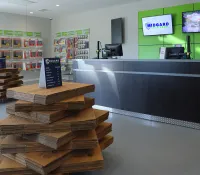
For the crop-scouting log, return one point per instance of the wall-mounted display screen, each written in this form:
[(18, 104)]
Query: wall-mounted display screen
[(157, 25), (191, 22)]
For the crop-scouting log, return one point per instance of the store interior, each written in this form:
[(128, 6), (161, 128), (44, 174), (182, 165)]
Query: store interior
[(78, 32)]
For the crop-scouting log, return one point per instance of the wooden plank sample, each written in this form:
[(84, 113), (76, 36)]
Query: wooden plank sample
[(101, 116), (75, 161), (81, 161), (11, 84), (32, 93), (11, 167), (16, 144), (12, 70), (3, 94), (84, 120), (106, 142), (5, 75), (48, 116), (56, 140), (72, 103), (84, 140), (42, 163), (52, 140), (3, 98), (6, 80), (103, 129)]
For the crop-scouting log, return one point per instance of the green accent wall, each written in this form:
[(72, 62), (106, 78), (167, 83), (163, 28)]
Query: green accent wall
[(149, 46)]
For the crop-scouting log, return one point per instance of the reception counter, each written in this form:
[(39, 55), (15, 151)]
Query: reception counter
[(161, 90)]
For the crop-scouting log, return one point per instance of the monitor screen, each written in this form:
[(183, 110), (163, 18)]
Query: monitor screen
[(191, 22), (157, 25)]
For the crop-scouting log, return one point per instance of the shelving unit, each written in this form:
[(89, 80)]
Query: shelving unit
[(22, 50), (71, 45)]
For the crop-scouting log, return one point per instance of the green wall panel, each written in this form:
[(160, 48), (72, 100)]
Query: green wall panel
[(149, 52), (149, 40), (197, 6), (178, 37), (148, 13), (196, 50), (197, 38), (149, 45), (177, 12)]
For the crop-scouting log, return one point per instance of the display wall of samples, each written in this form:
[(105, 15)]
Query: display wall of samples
[(23, 50), (72, 45)]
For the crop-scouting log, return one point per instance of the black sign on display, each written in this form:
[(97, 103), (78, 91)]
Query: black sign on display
[(2, 63), (50, 74)]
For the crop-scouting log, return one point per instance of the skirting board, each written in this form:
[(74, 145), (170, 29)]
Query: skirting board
[(186, 124)]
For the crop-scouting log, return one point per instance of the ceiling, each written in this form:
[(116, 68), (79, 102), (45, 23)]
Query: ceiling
[(24, 7)]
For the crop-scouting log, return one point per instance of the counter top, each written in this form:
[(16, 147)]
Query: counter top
[(145, 60), (189, 67), (166, 88)]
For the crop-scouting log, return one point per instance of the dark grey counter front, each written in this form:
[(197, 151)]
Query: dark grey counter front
[(166, 88)]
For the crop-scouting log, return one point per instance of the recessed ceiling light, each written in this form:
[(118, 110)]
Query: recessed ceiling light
[(31, 12), (57, 5)]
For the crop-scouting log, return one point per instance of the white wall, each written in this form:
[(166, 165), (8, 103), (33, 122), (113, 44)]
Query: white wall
[(99, 22), (33, 24)]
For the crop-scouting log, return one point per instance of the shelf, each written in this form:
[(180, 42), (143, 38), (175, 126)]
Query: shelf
[(20, 48), (32, 60)]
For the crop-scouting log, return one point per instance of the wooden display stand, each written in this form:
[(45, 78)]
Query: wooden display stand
[(9, 78), (60, 134)]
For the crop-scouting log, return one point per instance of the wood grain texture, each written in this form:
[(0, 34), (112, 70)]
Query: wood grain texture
[(10, 167), (84, 120), (102, 116), (46, 162), (78, 140), (56, 140), (81, 161), (13, 78), (5, 75), (74, 161), (3, 94), (103, 129), (16, 144), (74, 103), (32, 93), (11, 84), (50, 116), (12, 70), (52, 140), (106, 142)]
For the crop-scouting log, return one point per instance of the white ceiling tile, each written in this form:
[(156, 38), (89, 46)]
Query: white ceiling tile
[(66, 6)]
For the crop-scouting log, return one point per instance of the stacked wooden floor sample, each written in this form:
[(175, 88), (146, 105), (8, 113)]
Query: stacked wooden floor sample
[(53, 131), (9, 78)]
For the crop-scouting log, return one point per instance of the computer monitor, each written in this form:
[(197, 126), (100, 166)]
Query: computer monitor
[(113, 50), (175, 52)]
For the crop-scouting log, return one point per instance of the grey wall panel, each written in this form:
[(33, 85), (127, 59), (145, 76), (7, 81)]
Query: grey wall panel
[(110, 89), (91, 78), (174, 97), (133, 93), (161, 67)]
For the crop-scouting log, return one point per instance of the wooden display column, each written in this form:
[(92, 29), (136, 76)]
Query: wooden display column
[(58, 131)]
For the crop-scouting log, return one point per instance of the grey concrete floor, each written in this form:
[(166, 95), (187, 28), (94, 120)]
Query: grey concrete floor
[(148, 148)]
